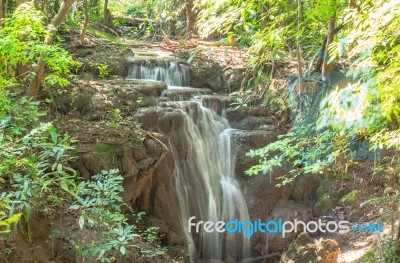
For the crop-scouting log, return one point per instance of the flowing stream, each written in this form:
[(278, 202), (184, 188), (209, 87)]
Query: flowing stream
[(172, 73), (204, 174)]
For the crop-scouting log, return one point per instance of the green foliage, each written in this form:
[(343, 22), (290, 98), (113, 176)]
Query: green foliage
[(240, 102), (372, 41), (154, 14), (349, 196), (389, 139), (99, 202), (268, 28), (21, 44), (8, 221), (99, 199), (34, 168), (387, 251), (316, 154), (116, 117), (102, 68), (193, 55), (354, 108), (142, 9)]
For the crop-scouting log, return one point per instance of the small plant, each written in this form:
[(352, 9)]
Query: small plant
[(193, 55), (117, 117), (55, 233), (240, 102), (102, 68)]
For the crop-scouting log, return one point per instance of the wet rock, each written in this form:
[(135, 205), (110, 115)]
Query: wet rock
[(170, 121), (149, 88), (132, 95), (148, 117), (258, 117), (152, 147), (253, 123), (216, 102), (233, 79), (264, 199), (148, 101)]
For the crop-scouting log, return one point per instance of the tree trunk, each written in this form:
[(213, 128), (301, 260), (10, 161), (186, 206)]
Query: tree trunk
[(326, 66), (107, 15), (321, 64), (172, 28), (1, 11), (263, 21), (299, 16), (5, 10), (33, 88), (85, 23), (190, 19)]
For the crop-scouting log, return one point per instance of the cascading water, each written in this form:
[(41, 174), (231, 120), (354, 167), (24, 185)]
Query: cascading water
[(204, 175), (172, 73), (206, 185)]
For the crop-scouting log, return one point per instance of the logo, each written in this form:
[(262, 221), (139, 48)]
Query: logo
[(280, 227)]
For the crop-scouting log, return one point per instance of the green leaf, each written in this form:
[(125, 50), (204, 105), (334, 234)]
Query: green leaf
[(81, 221)]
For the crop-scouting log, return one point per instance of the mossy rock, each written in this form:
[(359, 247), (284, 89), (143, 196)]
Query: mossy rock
[(321, 191), (106, 148), (325, 204)]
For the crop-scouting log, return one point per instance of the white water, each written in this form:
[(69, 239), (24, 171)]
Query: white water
[(172, 73), (206, 186)]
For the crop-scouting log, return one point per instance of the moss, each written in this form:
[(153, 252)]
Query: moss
[(105, 148), (321, 191), (349, 197), (355, 214)]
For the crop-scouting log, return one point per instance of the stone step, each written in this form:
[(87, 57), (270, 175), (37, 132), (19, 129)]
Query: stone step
[(149, 87), (153, 59), (150, 91), (137, 52), (174, 93)]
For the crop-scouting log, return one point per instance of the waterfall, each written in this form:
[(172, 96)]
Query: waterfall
[(204, 166), (173, 73), (206, 185)]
